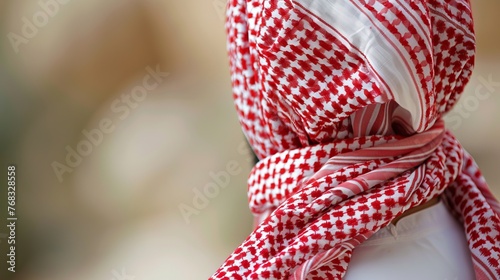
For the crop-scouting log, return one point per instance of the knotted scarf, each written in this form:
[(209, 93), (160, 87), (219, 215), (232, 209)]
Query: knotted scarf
[(343, 101)]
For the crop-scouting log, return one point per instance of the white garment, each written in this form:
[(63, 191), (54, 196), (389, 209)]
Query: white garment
[(429, 244)]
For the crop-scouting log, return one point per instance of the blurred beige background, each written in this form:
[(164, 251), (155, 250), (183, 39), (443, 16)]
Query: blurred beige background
[(134, 206)]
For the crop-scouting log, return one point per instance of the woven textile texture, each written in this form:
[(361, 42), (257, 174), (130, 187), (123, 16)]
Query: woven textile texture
[(343, 102)]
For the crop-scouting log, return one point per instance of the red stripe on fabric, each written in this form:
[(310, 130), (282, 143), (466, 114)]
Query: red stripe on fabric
[(483, 272), (405, 61), (388, 89)]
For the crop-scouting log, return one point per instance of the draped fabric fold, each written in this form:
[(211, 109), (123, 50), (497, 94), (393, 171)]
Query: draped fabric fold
[(343, 101)]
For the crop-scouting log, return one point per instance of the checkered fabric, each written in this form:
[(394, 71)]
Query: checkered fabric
[(342, 102)]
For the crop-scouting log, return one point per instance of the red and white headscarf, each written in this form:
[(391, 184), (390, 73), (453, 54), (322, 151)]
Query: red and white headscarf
[(342, 102)]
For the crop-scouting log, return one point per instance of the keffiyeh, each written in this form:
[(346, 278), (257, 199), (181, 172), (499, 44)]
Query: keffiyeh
[(343, 101)]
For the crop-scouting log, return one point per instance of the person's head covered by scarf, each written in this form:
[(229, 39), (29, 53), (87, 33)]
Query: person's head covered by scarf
[(342, 101)]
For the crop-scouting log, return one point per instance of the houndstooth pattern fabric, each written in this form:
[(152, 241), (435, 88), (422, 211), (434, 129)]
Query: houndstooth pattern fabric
[(342, 102)]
